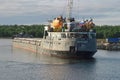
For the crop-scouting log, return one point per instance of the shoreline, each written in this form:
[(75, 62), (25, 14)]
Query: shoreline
[(6, 38), (103, 45)]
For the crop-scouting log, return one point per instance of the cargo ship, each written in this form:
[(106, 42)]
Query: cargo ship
[(64, 38)]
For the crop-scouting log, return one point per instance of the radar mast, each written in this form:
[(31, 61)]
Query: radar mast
[(69, 9)]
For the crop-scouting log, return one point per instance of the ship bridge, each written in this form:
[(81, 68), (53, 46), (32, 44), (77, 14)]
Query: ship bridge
[(82, 35)]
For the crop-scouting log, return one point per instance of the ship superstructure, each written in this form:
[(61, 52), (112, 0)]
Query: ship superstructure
[(69, 38)]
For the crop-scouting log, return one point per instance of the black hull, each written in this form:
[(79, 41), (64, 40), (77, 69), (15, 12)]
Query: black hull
[(68, 54)]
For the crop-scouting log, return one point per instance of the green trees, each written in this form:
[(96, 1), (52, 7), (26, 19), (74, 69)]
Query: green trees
[(10, 30), (37, 30), (107, 31)]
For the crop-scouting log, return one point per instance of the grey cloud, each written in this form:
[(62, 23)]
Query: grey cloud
[(17, 10)]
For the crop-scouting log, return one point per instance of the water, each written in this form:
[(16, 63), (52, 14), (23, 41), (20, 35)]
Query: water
[(18, 64)]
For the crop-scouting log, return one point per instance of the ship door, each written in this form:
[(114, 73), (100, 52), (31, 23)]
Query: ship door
[(72, 49)]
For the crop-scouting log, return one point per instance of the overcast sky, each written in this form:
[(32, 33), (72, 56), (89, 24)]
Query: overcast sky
[(104, 12)]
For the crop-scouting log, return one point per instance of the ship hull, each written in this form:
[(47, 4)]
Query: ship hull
[(68, 54), (60, 47)]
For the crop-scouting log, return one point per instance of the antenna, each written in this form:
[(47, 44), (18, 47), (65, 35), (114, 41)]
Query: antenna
[(69, 9)]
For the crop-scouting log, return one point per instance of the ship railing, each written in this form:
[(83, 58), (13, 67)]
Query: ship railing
[(33, 41)]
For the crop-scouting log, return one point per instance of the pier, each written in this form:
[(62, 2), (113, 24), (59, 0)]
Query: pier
[(105, 45)]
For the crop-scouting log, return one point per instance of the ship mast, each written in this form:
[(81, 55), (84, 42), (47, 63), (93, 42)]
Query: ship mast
[(69, 9)]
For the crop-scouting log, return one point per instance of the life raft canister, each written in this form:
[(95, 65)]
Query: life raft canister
[(57, 23)]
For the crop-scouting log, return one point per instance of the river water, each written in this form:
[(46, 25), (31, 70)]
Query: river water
[(18, 64)]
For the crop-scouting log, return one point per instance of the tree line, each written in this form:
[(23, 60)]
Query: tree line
[(10, 30), (104, 31)]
